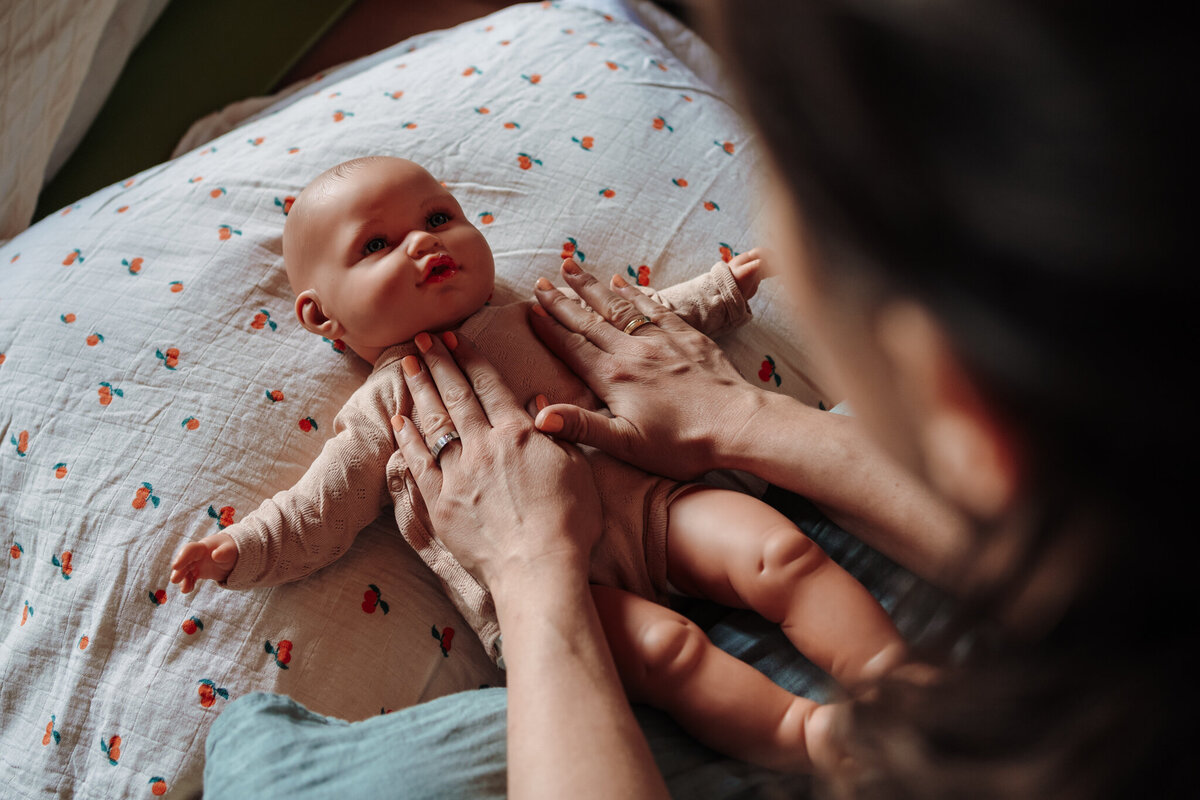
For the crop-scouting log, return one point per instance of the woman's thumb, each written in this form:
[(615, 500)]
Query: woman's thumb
[(575, 424)]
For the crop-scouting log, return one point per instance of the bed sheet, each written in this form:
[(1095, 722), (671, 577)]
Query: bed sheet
[(154, 384)]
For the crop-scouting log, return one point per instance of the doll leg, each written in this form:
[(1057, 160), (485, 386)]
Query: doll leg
[(667, 662), (738, 551)]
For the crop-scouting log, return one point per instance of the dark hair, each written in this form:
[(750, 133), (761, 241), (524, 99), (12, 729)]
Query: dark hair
[(1017, 167)]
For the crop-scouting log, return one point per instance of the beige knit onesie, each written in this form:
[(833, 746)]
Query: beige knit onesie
[(360, 470)]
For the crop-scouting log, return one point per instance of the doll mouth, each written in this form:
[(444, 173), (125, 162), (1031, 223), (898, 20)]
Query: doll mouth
[(438, 269)]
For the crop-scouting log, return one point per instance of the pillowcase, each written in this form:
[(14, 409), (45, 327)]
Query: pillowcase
[(154, 384)]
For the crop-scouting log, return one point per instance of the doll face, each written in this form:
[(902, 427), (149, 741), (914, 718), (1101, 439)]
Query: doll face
[(385, 252)]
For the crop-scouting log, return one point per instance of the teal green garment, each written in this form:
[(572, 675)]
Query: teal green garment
[(268, 746)]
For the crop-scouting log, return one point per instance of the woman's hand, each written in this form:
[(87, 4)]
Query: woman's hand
[(678, 403), (520, 512), (503, 497)]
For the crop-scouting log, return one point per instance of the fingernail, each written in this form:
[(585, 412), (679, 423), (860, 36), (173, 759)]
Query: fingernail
[(619, 282), (544, 284), (551, 423), (571, 268), (541, 401), (398, 423), (450, 339), (423, 342), (412, 367), (537, 309)]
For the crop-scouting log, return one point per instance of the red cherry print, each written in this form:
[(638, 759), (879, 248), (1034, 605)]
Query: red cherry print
[(372, 599)]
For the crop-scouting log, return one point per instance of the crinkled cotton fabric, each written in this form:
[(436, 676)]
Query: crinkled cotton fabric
[(155, 385)]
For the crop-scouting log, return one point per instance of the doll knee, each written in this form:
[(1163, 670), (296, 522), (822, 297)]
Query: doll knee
[(671, 648), (787, 557)]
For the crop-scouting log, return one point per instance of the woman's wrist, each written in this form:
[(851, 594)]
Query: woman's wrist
[(570, 728), (519, 576), (829, 459), (747, 428)]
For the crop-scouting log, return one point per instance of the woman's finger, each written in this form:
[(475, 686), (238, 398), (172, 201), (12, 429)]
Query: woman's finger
[(493, 394), (576, 318), (573, 349), (417, 459), (427, 402), (660, 315), (535, 404), (571, 423), (452, 387), (615, 308)]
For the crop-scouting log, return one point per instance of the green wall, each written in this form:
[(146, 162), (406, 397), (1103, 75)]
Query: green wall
[(200, 56)]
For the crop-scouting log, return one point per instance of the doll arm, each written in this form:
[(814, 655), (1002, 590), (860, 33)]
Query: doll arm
[(713, 303), (304, 528), (716, 302), (308, 526)]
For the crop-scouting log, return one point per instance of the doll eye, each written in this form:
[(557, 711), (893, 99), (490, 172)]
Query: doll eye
[(438, 218), (375, 245)]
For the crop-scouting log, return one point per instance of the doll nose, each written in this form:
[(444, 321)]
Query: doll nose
[(421, 243)]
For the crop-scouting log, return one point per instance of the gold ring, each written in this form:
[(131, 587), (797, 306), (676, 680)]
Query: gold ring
[(637, 322)]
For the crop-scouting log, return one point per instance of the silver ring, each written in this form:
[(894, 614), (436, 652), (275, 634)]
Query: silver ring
[(441, 443), (636, 323)]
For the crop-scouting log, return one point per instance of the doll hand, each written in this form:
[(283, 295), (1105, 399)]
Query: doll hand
[(749, 268), (213, 557)]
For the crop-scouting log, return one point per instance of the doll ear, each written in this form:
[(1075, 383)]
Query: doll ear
[(308, 311)]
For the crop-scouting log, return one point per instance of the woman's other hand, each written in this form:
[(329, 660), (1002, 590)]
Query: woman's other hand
[(520, 512), (503, 496), (678, 403)]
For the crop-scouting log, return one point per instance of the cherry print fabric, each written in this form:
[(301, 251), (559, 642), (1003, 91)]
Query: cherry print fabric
[(155, 387)]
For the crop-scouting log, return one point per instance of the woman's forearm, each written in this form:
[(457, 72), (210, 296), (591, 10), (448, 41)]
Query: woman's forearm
[(571, 732), (829, 459)]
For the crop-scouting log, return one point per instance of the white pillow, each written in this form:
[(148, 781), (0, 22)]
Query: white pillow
[(144, 329), (58, 61)]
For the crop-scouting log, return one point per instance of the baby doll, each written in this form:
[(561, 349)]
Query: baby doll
[(379, 253)]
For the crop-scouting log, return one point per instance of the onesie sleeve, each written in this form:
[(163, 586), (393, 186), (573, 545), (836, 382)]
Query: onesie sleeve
[(308, 526), (711, 303)]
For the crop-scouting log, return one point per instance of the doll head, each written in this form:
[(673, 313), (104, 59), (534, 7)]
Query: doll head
[(377, 251)]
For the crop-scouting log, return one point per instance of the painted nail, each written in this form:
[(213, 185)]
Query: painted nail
[(398, 423), (412, 367), (619, 282), (537, 309), (544, 284), (541, 401), (450, 340), (423, 342), (552, 423), (571, 268)]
